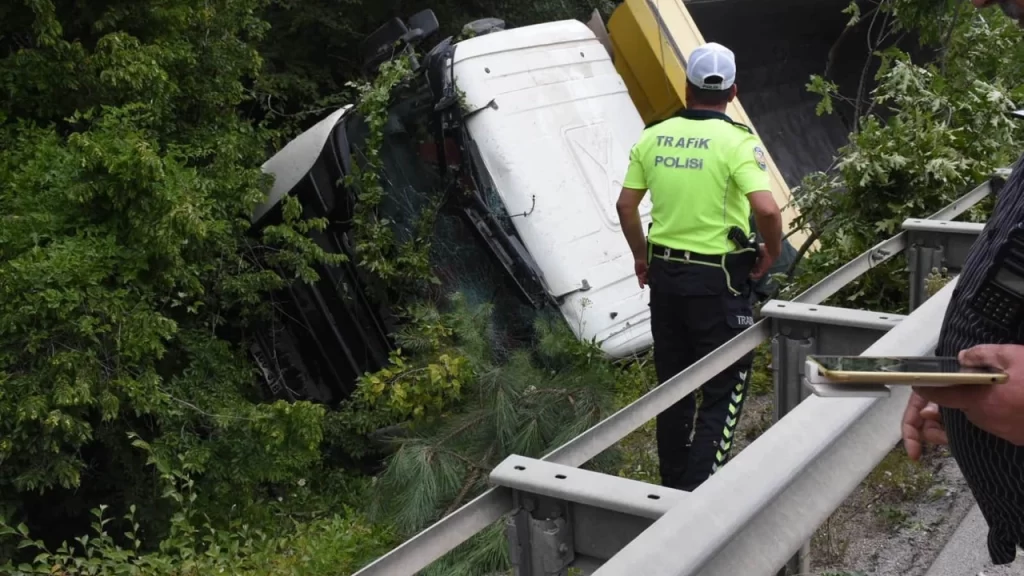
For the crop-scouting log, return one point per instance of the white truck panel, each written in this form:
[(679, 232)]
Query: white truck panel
[(293, 162), (554, 129)]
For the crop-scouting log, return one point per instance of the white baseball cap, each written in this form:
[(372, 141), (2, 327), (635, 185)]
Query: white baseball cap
[(712, 67)]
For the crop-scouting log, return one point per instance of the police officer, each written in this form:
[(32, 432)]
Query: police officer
[(705, 173)]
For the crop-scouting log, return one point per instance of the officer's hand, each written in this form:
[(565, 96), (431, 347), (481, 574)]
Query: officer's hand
[(997, 408), (640, 267), (764, 263), (922, 424)]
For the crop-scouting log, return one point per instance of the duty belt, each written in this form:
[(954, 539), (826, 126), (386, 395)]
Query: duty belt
[(676, 255), (688, 257)]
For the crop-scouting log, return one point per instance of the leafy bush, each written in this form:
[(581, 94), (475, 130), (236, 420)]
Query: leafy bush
[(127, 177), (339, 542), (927, 134)]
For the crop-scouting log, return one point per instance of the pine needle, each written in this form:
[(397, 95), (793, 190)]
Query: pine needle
[(524, 400)]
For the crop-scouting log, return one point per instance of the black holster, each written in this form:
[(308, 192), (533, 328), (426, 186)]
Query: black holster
[(739, 267)]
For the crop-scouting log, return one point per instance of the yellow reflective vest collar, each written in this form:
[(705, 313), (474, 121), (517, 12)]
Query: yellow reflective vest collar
[(703, 115)]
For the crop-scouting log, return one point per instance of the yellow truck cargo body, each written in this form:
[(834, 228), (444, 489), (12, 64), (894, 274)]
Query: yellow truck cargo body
[(651, 40)]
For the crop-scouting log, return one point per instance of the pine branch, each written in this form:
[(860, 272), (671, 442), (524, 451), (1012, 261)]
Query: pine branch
[(475, 466), (469, 423), (470, 481)]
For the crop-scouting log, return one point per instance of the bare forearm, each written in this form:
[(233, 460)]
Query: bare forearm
[(770, 227), (633, 230)]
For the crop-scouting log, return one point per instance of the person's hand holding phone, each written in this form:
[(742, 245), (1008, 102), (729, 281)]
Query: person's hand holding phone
[(996, 409), (922, 424)]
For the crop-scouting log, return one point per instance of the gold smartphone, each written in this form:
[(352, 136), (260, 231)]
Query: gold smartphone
[(910, 371)]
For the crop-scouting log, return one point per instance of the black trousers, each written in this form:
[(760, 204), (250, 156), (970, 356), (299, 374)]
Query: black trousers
[(692, 313)]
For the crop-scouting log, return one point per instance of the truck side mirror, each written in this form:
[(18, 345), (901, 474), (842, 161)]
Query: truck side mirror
[(380, 44), (425, 21), (397, 36)]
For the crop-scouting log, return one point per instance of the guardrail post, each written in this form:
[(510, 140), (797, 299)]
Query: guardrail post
[(539, 536), (563, 516), (936, 245), (921, 260), (790, 347), (804, 329)]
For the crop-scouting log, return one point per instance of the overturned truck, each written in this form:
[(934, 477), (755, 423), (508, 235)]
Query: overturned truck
[(524, 134)]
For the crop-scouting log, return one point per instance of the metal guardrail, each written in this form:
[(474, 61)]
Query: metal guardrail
[(805, 465), (437, 540)]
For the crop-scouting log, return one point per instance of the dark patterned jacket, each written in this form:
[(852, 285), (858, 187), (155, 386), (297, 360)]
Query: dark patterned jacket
[(993, 467)]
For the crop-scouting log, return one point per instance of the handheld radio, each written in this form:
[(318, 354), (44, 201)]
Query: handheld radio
[(1000, 299)]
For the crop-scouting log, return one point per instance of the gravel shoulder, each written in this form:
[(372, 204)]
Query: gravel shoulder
[(895, 523)]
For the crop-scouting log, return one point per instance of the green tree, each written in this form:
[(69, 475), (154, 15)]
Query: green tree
[(127, 176), (311, 543), (927, 133)]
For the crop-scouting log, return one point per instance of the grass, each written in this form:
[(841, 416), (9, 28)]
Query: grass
[(892, 517), (639, 459), (899, 479), (886, 495), (756, 422), (827, 545), (762, 380)]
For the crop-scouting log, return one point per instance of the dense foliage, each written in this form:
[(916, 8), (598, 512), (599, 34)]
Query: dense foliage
[(131, 135), (127, 176), (928, 133)]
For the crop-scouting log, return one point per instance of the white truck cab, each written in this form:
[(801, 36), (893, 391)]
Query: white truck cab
[(553, 124)]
